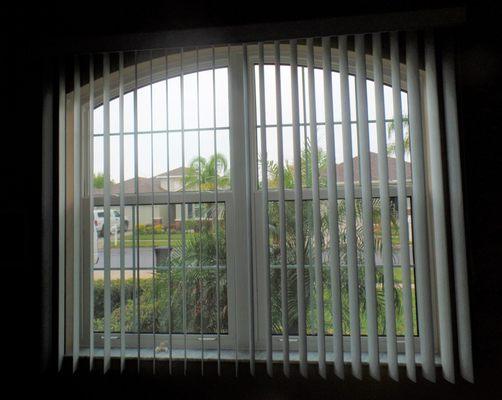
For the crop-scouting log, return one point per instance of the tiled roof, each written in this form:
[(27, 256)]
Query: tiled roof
[(174, 172), (145, 184), (392, 168)]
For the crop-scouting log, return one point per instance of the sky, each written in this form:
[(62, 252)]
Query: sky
[(151, 106)]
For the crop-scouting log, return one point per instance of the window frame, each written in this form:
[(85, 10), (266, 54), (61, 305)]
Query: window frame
[(273, 194), (146, 199), (237, 286)]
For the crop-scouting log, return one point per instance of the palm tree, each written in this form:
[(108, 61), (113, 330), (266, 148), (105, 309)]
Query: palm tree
[(391, 132), (208, 173), (307, 245), (202, 283), (306, 170)]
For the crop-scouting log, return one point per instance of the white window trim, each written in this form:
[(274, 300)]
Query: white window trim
[(237, 286), (269, 58)]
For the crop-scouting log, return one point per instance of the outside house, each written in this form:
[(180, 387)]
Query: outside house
[(375, 176), (161, 185)]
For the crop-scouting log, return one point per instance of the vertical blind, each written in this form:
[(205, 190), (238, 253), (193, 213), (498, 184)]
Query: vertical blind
[(286, 203)]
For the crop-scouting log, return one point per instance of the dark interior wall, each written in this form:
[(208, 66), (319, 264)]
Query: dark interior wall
[(480, 107)]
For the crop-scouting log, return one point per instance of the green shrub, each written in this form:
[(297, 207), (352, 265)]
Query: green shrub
[(146, 229)]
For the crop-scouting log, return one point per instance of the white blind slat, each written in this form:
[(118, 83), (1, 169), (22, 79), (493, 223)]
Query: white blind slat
[(367, 206), (201, 304), (334, 248), (122, 214), (282, 212), (300, 266), (135, 217), (383, 178), (107, 229), (154, 272), (265, 220), (457, 216), (183, 221), (350, 217), (77, 195), (234, 103), (249, 184), (61, 213), (218, 313), (404, 250), (92, 229), (169, 216), (438, 210), (419, 210), (316, 209)]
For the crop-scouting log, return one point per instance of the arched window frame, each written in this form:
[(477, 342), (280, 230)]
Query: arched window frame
[(225, 57)]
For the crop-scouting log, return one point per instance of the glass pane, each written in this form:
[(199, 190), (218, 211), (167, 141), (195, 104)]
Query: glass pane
[(206, 102), (190, 100), (311, 290), (144, 109), (221, 97), (151, 103), (168, 268), (306, 146), (192, 161), (159, 106)]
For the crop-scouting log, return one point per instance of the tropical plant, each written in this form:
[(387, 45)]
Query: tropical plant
[(189, 278), (289, 169), (99, 181), (290, 239), (391, 134), (189, 281), (208, 173)]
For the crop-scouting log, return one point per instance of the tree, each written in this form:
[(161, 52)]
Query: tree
[(208, 173), (306, 170), (310, 290), (176, 277), (199, 284), (99, 181), (391, 133)]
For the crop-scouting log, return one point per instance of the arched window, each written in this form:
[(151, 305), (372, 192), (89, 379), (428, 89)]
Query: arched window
[(261, 202)]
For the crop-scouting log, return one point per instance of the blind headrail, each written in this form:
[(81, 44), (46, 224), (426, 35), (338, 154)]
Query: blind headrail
[(259, 32)]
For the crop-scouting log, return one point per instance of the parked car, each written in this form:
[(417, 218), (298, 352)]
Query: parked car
[(99, 219)]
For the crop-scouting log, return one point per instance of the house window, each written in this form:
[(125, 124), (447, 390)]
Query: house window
[(174, 257), (289, 166), (264, 202)]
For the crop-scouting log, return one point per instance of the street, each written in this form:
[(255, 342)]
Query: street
[(145, 258)]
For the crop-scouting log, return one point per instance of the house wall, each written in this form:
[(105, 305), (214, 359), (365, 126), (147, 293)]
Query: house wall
[(160, 214)]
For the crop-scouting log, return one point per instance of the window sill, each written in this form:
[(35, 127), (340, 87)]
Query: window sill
[(229, 355)]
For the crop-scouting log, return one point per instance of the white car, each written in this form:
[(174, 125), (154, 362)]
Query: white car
[(99, 219)]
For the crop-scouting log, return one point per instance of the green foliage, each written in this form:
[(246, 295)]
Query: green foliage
[(391, 133), (308, 246), (310, 285), (147, 229), (186, 281), (273, 170), (193, 278), (208, 173), (155, 294), (99, 181)]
